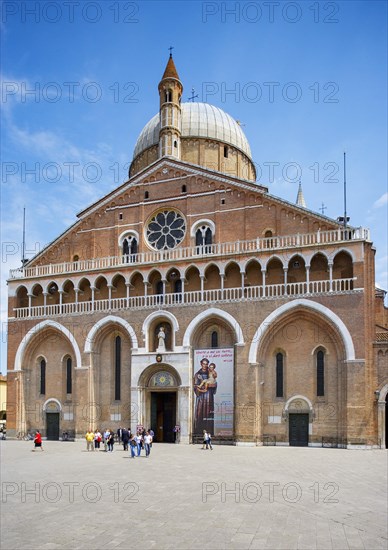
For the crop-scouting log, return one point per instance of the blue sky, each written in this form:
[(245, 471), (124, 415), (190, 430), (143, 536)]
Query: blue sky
[(306, 79)]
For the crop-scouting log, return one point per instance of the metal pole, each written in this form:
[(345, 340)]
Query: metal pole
[(345, 215), (24, 234)]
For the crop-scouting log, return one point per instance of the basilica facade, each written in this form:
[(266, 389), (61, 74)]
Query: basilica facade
[(190, 298)]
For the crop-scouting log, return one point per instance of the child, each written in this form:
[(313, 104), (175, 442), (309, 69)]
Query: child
[(211, 380)]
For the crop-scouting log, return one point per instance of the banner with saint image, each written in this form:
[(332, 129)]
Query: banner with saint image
[(213, 387)]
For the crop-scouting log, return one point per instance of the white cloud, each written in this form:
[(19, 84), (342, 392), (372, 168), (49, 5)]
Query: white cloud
[(382, 201)]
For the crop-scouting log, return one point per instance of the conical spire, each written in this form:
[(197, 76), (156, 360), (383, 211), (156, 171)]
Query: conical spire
[(300, 198), (170, 70)]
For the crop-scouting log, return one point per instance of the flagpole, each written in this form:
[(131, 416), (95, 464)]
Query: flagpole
[(345, 215), (24, 234)]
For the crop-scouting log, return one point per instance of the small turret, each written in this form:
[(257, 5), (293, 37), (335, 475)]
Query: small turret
[(300, 198), (170, 94)]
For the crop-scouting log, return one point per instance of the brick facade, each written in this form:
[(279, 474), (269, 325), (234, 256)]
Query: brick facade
[(271, 279)]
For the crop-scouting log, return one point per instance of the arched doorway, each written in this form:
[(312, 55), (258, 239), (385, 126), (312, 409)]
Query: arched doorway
[(382, 416), (161, 402), (298, 410), (386, 421), (52, 408)]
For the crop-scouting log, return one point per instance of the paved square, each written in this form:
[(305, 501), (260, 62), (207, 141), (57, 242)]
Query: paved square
[(184, 497)]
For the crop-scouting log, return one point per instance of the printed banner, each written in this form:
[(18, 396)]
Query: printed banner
[(213, 388)]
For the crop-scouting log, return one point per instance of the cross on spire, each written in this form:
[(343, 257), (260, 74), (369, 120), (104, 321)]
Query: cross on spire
[(193, 95), (323, 208), (171, 48)]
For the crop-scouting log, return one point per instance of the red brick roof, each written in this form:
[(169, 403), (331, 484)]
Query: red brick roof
[(170, 70)]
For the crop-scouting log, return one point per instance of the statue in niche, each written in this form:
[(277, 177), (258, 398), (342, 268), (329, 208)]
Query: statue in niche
[(161, 340)]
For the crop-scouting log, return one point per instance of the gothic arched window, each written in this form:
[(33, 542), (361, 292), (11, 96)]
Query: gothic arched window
[(117, 368), (214, 339), (69, 382), (279, 374), (43, 377), (320, 373), (129, 248), (204, 239)]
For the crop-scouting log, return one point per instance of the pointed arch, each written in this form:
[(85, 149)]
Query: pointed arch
[(40, 327), (213, 312), (329, 315), (106, 321)]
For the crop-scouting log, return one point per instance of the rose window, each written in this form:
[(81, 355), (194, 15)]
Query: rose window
[(166, 230)]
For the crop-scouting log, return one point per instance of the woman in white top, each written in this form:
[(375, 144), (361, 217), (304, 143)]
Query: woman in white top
[(147, 443)]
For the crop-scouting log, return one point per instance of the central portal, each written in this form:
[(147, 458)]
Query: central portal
[(163, 416)]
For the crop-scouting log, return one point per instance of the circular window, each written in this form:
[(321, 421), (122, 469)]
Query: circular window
[(166, 230)]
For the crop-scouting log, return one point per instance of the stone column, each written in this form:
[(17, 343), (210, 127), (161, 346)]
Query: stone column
[(183, 413), (308, 278), (30, 296), (61, 293), (263, 272), (76, 292), (183, 290), (381, 412), (331, 277), (110, 297), (128, 285), (242, 283), (202, 285), (45, 294), (285, 269), (164, 291), (93, 289)]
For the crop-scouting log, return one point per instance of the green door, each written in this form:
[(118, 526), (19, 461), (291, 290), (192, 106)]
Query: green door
[(52, 426), (299, 430)]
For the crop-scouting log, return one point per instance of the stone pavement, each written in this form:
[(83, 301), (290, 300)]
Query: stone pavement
[(185, 498)]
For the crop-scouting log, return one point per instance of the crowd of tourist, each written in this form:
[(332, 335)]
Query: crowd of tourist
[(136, 442)]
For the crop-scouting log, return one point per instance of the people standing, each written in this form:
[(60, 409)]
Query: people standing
[(106, 437), (125, 438), (97, 440), (89, 440), (120, 434), (38, 441), (111, 441)]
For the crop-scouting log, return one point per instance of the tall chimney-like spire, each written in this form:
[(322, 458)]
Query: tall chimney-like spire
[(170, 96), (300, 198)]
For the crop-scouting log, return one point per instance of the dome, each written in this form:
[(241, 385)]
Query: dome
[(198, 120)]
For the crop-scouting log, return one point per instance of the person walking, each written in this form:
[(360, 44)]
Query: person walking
[(38, 441), (205, 444), (209, 440), (133, 446), (139, 440), (89, 440), (147, 443), (125, 438)]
